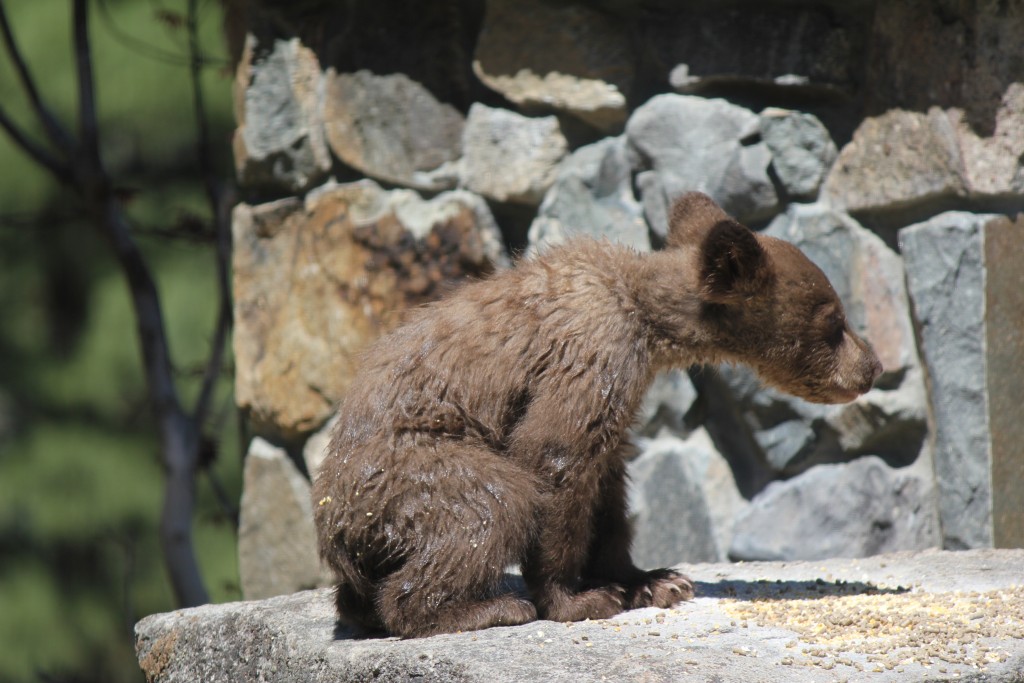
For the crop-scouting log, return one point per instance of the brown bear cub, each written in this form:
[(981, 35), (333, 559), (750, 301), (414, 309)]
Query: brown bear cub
[(490, 429)]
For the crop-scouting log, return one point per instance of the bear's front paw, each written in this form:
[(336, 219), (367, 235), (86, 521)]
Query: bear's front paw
[(596, 603), (660, 588)]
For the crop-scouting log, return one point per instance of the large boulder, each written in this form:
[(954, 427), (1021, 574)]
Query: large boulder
[(680, 143), (592, 195), (508, 157), (963, 273), (898, 160), (683, 502), (854, 509), (392, 128), (905, 162), (315, 281), (806, 622)]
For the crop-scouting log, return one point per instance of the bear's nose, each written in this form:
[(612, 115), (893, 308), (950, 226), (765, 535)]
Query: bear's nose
[(875, 370)]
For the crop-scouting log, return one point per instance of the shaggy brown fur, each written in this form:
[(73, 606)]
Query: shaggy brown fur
[(489, 429)]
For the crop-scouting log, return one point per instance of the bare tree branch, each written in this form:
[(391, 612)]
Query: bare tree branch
[(38, 154), (83, 170), (58, 136), (88, 128), (179, 433)]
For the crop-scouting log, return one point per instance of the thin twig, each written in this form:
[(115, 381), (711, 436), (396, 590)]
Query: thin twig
[(38, 154), (58, 136), (88, 128)]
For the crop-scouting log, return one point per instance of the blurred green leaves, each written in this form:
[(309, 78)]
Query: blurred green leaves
[(80, 477)]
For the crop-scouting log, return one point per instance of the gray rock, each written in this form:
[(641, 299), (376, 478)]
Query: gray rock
[(683, 502), (276, 543), (666, 404), (509, 157), (568, 57), (392, 128), (295, 638), (897, 160), (945, 276), (315, 449), (592, 195), (691, 143), (851, 509), (802, 150), (279, 142)]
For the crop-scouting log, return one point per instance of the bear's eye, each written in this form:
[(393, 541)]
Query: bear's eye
[(836, 328)]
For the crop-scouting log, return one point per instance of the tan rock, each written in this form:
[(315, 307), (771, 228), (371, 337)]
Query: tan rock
[(897, 159), (992, 163), (315, 282)]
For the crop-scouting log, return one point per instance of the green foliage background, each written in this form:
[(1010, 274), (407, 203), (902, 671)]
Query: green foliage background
[(80, 478)]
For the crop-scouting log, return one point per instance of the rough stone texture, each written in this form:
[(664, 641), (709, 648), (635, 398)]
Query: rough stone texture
[(946, 280), (295, 637), (666, 404), (314, 282), (1004, 358), (854, 509), (994, 164), (392, 128), (592, 195), (691, 143), (279, 142), (509, 157), (683, 501), (585, 67), (802, 150), (896, 160), (276, 542)]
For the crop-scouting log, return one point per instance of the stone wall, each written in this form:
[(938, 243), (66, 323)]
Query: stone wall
[(386, 153)]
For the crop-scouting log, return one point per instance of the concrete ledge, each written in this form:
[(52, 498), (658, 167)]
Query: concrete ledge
[(928, 616)]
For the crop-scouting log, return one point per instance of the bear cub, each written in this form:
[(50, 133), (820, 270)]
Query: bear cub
[(490, 429)]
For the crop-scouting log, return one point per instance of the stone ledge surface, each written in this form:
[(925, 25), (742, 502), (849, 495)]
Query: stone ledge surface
[(926, 616)]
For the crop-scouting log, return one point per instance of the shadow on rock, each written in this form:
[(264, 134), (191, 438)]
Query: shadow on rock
[(765, 589)]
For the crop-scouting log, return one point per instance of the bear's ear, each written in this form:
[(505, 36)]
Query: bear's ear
[(690, 219), (733, 264)]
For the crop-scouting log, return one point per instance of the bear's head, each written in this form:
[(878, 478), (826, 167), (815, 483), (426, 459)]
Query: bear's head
[(764, 303)]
